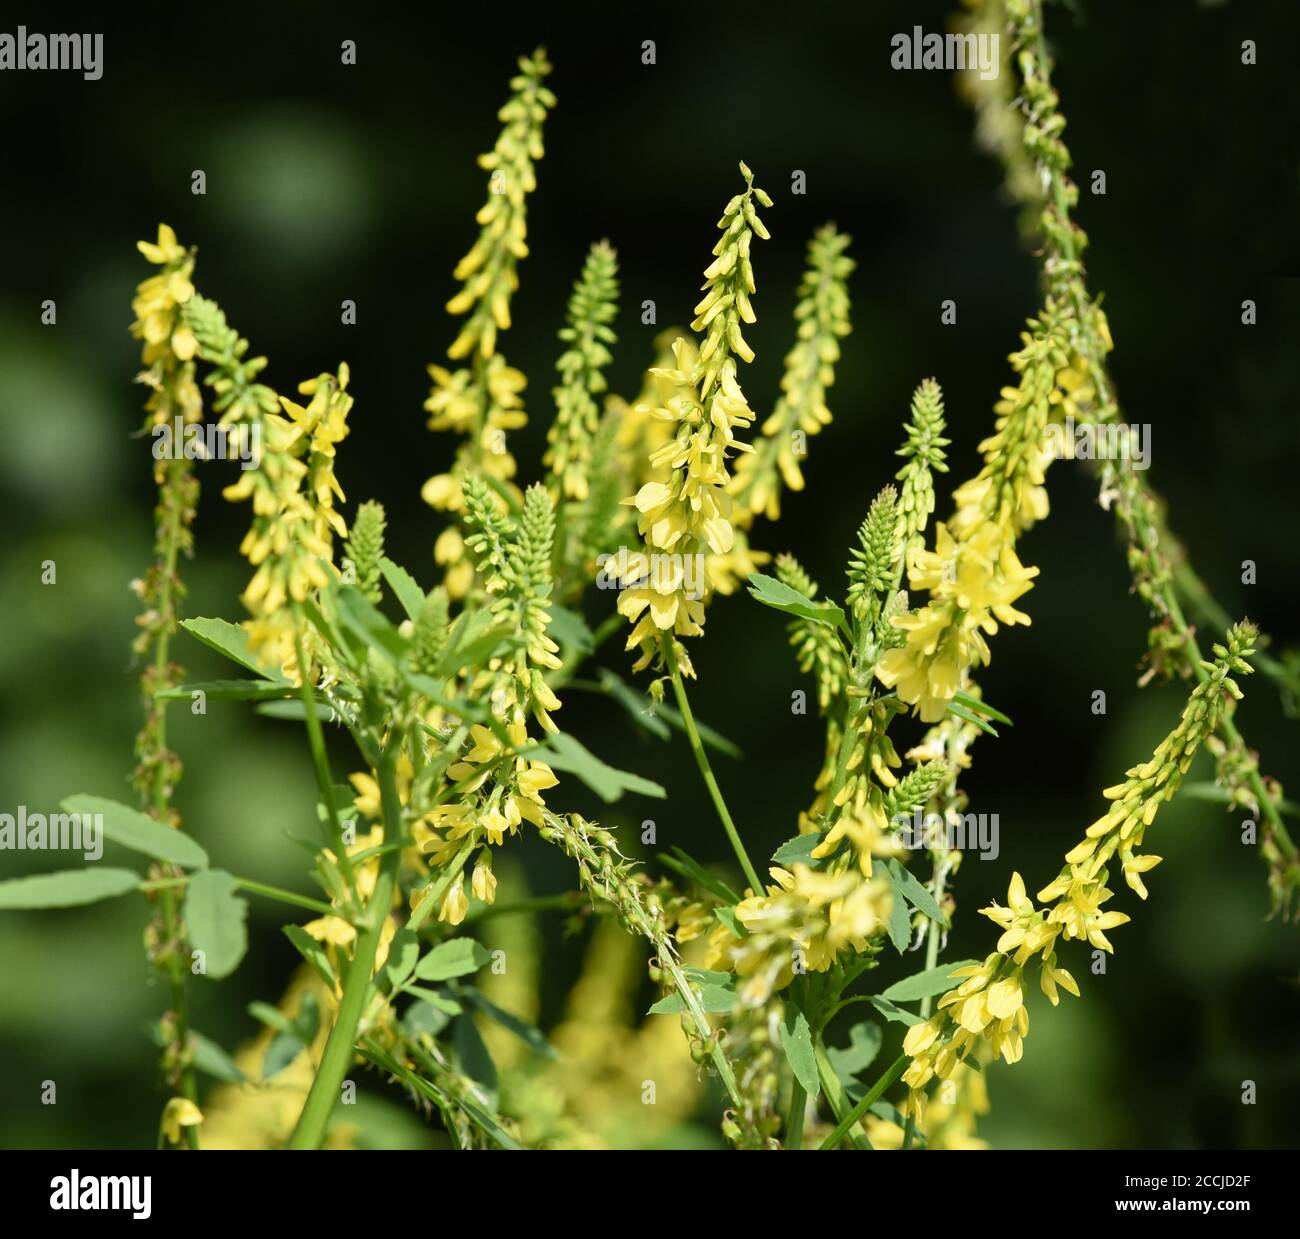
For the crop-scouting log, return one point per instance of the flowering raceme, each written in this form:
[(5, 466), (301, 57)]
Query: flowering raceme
[(973, 575), (689, 513), (990, 1001)]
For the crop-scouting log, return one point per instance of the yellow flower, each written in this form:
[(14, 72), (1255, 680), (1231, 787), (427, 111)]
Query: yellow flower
[(179, 1111)]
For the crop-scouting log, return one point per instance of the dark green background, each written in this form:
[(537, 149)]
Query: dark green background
[(326, 183)]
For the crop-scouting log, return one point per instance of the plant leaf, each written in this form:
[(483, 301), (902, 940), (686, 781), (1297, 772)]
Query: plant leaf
[(894, 1013), (132, 829), (570, 629), (565, 752), (797, 851), (312, 952), (906, 884), (456, 958), (404, 586), (229, 640), (691, 869), (231, 690), (214, 921), (773, 593), (796, 1038), (980, 706), (533, 1037), (714, 999), (864, 1045), (926, 984), (963, 713), (69, 889)]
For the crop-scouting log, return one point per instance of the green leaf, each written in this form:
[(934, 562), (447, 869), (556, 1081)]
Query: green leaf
[(906, 884), (773, 593), (367, 623), (132, 829), (926, 984), (728, 917), (570, 629), (293, 1036), (894, 1013), (404, 586), (564, 752), (231, 690), (69, 889), (473, 1056), (230, 640), (312, 952), (638, 706), (714, 1000), (963, 713), (797, 851), (900, 922), (472, 642), (796, 1038), (864, 1045), (456, 958), (403, 951), (424, 1017), (214, 921), (691, 869), (209, 1057), (534, 1038), (979, 706), (433, 998)]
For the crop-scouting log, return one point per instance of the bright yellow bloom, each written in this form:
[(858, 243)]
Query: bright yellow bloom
[(179, 1112)]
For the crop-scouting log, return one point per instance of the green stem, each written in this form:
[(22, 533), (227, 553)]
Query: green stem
[(931, 960), (834, 1091), (1150, 537), (340, 1046), (794, 1117), (320, 760), (253, 888), (173, 927), (706, 771), (892, 1072)]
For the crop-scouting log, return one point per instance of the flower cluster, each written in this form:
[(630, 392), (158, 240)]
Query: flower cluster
[(592, 307), (689, 512), (293, 489), (974, 575), (482, 400), (990, 1001)]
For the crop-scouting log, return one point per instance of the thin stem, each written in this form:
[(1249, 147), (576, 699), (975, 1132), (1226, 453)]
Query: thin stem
[(834, 1091), (794, 1116), (173, 926), (1150, 537), (340, 1046), (320, 760), (253, 888), (892, 1072), (931, 960), (706, 771)]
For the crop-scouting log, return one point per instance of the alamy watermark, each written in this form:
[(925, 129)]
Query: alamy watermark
[(664, 573), (127, 1193), (62, 832), (947, 51), (207, 441), (962, 832), (81, 53), (1099, 441)]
